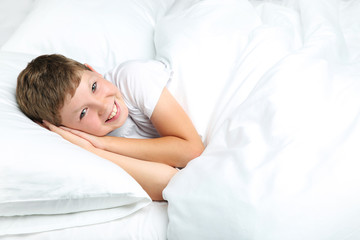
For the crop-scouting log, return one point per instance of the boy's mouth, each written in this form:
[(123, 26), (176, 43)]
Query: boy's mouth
[(114, 113)]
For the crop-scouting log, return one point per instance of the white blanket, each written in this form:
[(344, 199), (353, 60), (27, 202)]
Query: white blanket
[(282, 160)]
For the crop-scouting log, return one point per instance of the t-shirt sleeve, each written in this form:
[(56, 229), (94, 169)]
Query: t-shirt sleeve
[(141, 83)]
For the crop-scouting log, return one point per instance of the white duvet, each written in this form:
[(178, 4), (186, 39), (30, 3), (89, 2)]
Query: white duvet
[(272, 87), (282, 160)]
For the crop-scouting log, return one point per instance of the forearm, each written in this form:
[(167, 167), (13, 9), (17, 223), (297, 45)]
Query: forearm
[(179, 142), (153, 177), (169, 150)]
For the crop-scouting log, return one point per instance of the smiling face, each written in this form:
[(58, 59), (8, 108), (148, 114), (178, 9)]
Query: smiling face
[(97, 106)]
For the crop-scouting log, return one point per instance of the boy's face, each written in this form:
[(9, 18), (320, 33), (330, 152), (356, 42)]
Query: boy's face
[(97, 106)]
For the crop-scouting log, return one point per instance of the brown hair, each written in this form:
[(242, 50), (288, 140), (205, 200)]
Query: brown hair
[(45, 83)]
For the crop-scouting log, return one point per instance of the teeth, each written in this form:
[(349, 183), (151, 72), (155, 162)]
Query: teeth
[(113, 113)]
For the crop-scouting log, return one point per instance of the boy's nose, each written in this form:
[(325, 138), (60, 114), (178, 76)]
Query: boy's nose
[(101, 111), (101, 105)]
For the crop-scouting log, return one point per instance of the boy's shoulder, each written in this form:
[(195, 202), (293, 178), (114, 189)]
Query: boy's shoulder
[(138, 71), (141, 83), (136, 66)]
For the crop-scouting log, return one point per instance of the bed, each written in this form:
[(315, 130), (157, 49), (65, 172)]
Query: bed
[(271, 86)]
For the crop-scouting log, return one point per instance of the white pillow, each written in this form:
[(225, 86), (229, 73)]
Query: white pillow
[(40, 173), (44, 176), (101, 33)]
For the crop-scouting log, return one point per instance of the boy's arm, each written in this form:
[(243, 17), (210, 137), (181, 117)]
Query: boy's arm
[(153, 177), (179, 142)]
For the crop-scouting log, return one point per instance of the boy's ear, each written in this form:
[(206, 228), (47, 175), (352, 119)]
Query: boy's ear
[(92, 69)]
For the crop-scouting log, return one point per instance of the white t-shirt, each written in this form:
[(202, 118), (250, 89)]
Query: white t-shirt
[(141, 83)]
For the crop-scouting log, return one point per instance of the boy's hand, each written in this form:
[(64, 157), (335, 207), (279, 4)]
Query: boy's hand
[(68, 135), (94, 140)]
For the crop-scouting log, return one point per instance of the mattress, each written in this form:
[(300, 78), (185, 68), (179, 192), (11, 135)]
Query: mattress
[(149, 222)]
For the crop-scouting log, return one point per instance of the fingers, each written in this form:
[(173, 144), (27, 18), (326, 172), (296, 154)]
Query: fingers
[(74, 131), (46, 124), (69, 129), (55, 129), (41, 125), (52, 127), (94, 140), (66, 129), (67, 134)]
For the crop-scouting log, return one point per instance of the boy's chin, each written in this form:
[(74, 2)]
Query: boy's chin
[(102, 134), (98, 133), (103, 131)]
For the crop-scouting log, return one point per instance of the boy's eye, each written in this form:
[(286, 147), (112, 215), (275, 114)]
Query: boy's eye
[(94, 86), (83, 112)]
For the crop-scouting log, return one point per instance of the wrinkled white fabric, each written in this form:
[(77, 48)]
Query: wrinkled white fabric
[(282, 155)]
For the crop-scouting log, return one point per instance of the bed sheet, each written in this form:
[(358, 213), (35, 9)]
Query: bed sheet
[(147, 223)]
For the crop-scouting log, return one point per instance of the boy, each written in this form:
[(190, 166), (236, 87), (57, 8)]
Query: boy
[(74, 101)]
